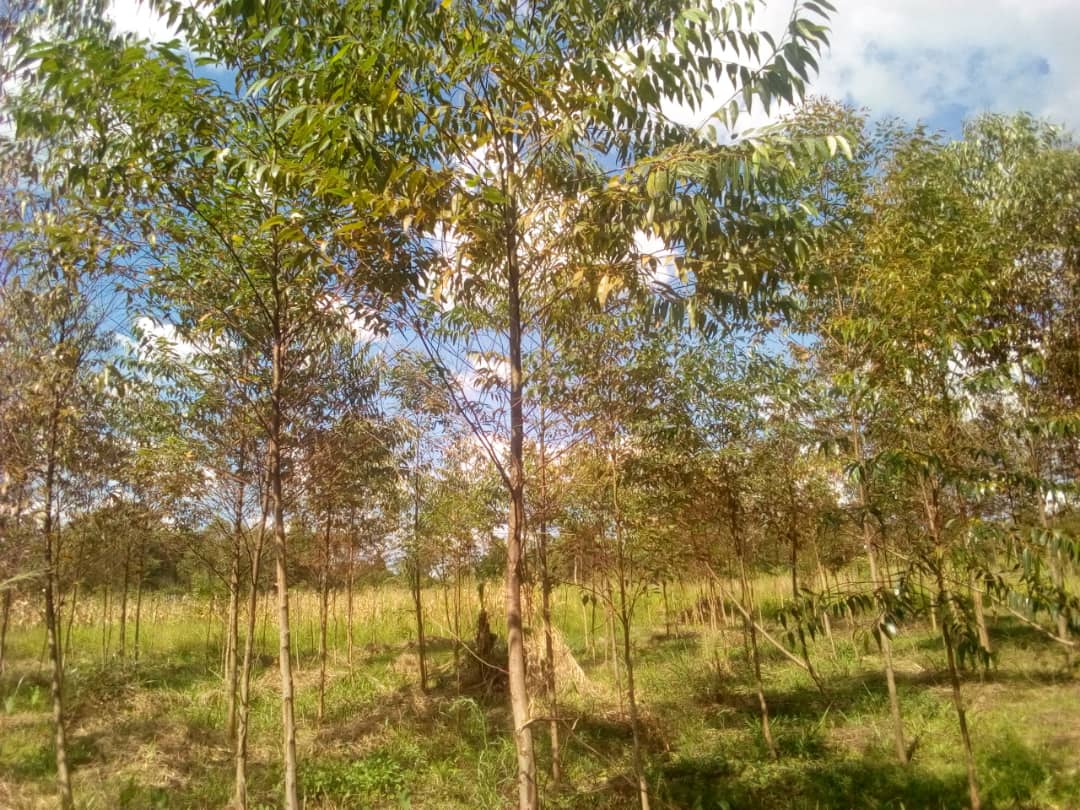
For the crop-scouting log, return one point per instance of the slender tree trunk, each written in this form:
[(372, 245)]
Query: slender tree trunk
[(667, 608), (105, 626), (457, 622), (611, 646), (803, 646), (416, 582), (1057, 574), (139, 599), (515, 637), (793, 539), (635, 721), (948, 607), (349, 603), (824, 580), (243, 713), (52, 617), (324, 594), (625, 615), (958, 700), (980, 613), (124, 601), (750, 630), (211, 614), (298, 611), (884, 640), (587, 625), (886, 652), (5, 616), (545, 598), (71, 617), (288, 721), (232, 642)]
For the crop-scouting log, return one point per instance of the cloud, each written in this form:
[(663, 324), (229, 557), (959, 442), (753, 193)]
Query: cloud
[(136, 17), (159, 339), (934, 60), (938, 61)]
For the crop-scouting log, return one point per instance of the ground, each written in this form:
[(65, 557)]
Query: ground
[(151, 735)]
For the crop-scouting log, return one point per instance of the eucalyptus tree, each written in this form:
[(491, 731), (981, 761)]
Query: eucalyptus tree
[(560, 113), (55, 365), (842, 351), (347, 457), (725, 391), (563, 107), (423, 408), (1022, 174), (612, 375), (199, 453), (280, 321), (921, 271), (249, 268)]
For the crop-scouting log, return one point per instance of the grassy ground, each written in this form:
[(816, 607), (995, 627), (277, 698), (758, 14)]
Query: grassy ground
[(151, 736)]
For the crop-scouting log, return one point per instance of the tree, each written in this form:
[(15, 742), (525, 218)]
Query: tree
[(559, 114), (54, 361)]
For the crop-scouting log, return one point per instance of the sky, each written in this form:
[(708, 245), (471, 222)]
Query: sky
[(935, 61)]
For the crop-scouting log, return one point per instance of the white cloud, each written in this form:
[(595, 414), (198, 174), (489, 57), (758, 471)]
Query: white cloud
[(939, 60), (136, 17), (925, 58), (156, 338)]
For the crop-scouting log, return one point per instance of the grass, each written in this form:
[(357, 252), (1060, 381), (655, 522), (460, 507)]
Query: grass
[(152, 736)]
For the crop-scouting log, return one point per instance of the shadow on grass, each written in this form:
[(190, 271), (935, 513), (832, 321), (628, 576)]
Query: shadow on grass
[(705, 783), (1012, 775)]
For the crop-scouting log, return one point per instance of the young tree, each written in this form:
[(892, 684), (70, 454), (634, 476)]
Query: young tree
[(54, 365)]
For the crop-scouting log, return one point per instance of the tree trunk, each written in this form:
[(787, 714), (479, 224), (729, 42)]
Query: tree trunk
[(324, 594), (52, 618), (5, 615), (635, 722), (288, 721), (883, 637), (243, 712), (1054, 558), (415, 580), (958, 701), (457, 622), (349, 604), (625, 611), (124, 601), (138, 600), (824, 580), (980, 614), (611, 646), (949, 616), (105, 626), (545, 599), (71, 617), (515, 638), (232, 641), (750, 629), (886, 652), (803, 646)]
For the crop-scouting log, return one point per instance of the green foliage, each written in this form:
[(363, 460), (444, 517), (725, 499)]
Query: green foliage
[(372, 777)]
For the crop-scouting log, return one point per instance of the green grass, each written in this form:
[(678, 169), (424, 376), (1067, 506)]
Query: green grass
[(152, 736)]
